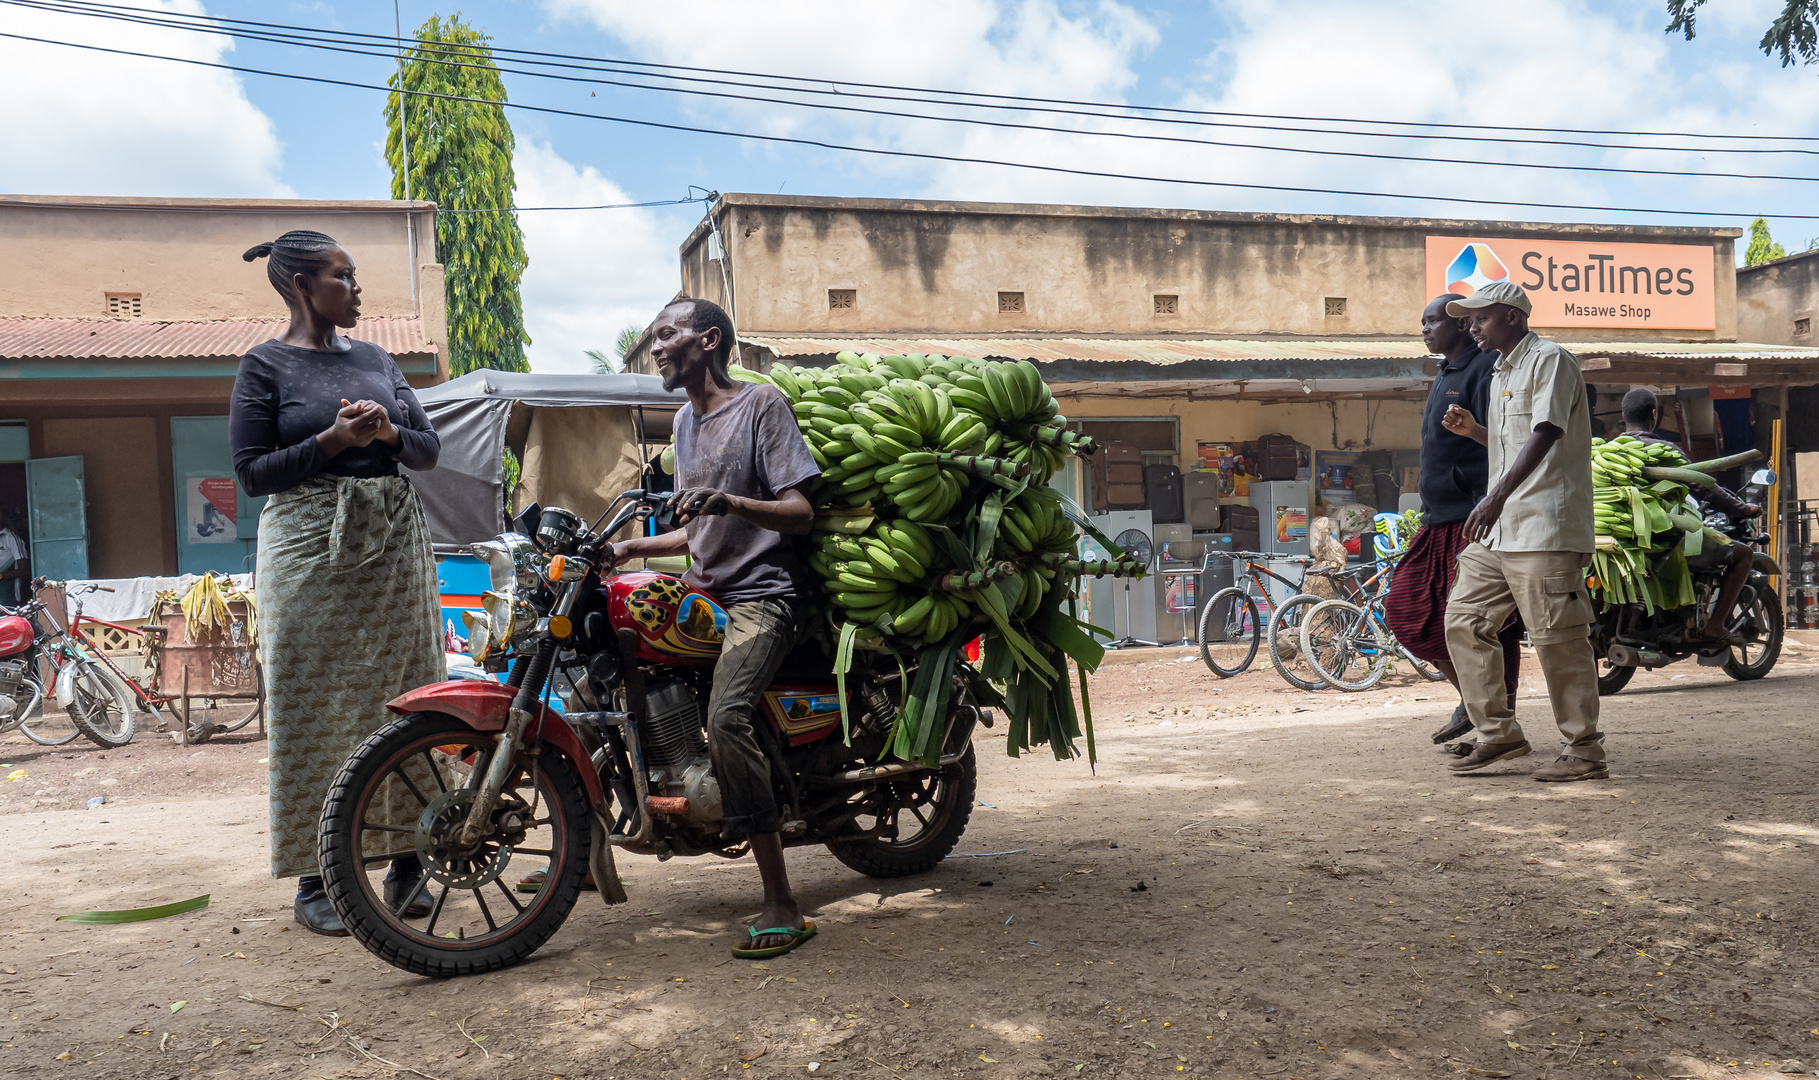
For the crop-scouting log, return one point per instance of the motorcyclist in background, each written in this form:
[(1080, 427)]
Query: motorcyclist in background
[(1641, 413)]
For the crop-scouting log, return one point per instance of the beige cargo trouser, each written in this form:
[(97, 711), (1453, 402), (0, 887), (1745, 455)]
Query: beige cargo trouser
[(1548, 588)]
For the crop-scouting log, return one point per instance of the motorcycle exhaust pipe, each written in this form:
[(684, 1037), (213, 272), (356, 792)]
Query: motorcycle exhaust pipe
[(1627, 656), (895, 768)]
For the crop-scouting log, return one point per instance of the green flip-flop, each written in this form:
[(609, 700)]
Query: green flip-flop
[(797, 937)]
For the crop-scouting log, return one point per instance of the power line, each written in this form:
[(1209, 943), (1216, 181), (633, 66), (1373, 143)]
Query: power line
[(312, 38), (469, 51), (906, 154)]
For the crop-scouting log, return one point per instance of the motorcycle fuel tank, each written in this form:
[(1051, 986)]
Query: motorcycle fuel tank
[(675, 622), (15, 635)]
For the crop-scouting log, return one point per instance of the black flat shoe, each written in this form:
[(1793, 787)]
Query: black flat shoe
[(398, 888), (1457, 728), (318, 915)]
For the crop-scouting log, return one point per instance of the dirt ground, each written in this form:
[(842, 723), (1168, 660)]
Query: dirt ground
[(1256, 882)]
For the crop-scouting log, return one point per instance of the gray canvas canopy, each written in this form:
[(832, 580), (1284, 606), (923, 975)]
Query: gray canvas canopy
[(580, 441)]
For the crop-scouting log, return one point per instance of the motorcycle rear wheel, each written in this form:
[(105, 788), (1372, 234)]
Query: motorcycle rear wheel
[(461, 936), (1755, 659), (947, 795)]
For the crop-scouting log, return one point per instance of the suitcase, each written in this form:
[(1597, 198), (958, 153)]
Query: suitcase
[(1124, 496), (1203, 514), (1115, 464), (1200, 495), (1162, 492), (1277, 458)]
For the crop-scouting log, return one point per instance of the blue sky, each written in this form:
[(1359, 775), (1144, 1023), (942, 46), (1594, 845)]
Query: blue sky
[(90, 123)]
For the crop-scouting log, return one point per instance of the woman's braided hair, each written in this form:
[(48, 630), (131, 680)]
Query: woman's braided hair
[(299, 251)]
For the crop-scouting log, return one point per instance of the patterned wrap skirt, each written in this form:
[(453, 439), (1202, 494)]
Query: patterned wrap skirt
[(349, 618), (1416, 606)]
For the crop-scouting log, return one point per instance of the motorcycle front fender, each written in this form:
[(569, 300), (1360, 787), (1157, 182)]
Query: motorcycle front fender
[(1765, 565), (484, 705)]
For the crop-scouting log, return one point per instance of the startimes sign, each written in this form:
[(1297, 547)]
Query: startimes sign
[(1578, 283)]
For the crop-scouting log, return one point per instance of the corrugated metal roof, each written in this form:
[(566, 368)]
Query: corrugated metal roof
[(1165, 351), (78, 339)]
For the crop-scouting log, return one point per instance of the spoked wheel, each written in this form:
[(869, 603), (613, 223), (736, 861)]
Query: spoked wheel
[(1422, 667), (1285, 642), (1764, 628), (218, 716), (919, 819), (1345, 648), (1229, 632), (405, 792), (48, 727), (100, 707)]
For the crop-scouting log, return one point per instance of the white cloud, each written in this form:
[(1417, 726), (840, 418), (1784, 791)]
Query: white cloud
[(591, 272), (92, 123)]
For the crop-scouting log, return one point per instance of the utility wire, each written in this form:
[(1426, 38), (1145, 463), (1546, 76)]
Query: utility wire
[(278, 33), (469, 52), (906, 154)]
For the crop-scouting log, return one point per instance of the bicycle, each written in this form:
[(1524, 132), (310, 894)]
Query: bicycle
[(92, 692), (1350, 646), (121, 732), (1284, 628), (1231, 625)]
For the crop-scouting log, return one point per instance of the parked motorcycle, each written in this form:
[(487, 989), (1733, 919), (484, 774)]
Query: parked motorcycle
[(93, 702), (1626, 637), (507, 803)]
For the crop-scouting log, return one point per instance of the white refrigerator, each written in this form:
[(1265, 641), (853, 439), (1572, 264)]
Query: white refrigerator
[(1282, 515)]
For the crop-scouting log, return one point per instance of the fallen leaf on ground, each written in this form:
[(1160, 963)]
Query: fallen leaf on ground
[(177, 1006), (754, 1055), (1485, 1072), (132, 915), (987, 1060)]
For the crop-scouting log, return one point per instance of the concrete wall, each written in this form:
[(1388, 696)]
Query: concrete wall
[(940, 267), (1389, 425), (1772, 296), (61, 256)]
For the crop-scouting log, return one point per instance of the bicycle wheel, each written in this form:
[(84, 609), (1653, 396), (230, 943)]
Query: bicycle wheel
[(219, 716), (1229, 632), (1344, 647), (99, 706), (1284, 633)]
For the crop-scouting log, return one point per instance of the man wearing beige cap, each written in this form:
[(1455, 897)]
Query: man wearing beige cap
[(1533, 540)]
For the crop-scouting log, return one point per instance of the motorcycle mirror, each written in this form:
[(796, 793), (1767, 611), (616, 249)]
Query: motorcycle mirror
[(526, 522), (1764, 477)]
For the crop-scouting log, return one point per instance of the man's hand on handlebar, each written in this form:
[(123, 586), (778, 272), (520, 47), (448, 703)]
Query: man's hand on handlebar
[(692, 503)]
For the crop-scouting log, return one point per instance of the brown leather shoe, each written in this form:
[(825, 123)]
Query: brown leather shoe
[(1564, 769), (1486, 754)]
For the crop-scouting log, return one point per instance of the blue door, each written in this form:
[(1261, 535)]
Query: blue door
[(59, 518), (217, 525)]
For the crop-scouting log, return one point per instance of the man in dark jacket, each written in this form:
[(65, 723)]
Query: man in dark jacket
[(1454, 474), (1641, 413)]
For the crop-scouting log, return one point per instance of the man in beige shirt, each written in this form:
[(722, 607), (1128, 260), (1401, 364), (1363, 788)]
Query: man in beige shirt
[(1533, 533)]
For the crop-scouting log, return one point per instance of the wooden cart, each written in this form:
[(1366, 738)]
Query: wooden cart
[(222, 672)]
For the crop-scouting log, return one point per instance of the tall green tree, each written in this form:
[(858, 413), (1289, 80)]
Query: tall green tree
[(1762, 246), (460, 155), (1793, 36)]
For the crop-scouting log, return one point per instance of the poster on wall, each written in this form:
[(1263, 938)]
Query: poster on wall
[(1334, 475), (211, 510), (1585, 283)]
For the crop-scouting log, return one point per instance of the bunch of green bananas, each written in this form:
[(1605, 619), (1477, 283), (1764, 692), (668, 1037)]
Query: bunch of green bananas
[(1644, 529)]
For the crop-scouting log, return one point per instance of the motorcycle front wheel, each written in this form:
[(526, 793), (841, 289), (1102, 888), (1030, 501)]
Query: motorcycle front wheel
[(921, 815), (1754, 659), (405, 791)]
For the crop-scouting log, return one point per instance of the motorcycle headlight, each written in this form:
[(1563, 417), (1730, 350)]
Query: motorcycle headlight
[(479, 634), (511, 559)]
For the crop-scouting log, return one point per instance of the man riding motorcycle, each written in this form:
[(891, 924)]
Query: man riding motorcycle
[(741, 464), (1641, 412)]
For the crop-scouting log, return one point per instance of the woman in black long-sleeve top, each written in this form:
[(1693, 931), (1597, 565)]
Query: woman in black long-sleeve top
[(348, 612)]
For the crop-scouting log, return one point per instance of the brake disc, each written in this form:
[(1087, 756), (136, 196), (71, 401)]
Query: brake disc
[(437, 827)]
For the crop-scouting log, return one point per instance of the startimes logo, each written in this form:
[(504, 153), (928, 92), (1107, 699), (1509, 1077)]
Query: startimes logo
[(1473, 268)]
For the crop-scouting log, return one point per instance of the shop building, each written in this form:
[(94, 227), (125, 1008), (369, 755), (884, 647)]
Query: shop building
[(1172, 328), (122, 322)]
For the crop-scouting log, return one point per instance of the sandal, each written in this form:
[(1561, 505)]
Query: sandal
[(1458, 726), (533, 881), (797, 937)]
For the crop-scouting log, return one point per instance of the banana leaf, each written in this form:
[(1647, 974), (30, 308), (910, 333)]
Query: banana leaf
[(133, 915)]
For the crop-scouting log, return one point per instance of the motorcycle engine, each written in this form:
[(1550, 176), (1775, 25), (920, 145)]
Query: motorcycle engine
[(16, 693), (675, 748)]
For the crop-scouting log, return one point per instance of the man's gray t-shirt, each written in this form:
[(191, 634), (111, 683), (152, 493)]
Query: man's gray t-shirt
[(750, 447)]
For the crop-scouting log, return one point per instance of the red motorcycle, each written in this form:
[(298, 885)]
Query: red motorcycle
[(508, 803)]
